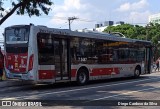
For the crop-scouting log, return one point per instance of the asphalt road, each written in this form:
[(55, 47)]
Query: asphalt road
[(97, 94)]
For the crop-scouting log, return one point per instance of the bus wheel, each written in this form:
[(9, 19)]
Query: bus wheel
[(82, 77), (137, 72)]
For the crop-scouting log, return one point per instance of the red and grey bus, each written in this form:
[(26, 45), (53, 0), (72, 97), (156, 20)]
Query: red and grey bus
[(51, 55)]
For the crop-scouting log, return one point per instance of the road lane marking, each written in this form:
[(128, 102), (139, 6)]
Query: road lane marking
[(79, 89), (124, 93)]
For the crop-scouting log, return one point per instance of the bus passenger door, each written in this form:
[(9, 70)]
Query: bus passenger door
[(61, 59), (148, 60)]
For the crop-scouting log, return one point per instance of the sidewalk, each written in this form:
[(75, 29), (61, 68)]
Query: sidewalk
[(153, 71)]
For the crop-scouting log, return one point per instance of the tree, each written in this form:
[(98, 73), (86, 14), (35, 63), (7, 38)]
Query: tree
[(150, 32), (31, 7), (130, 31)]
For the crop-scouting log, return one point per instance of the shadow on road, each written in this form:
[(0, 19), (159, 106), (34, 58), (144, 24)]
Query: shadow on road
[(74, 84)]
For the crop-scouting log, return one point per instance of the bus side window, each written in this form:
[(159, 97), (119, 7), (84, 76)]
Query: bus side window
[(115, 55), (45, 49), (123, 55)]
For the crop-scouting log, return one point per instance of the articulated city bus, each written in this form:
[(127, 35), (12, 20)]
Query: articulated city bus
[(50, 55)]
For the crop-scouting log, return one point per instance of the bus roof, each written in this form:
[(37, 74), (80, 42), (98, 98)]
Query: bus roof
[(86, 34), (95, 35)]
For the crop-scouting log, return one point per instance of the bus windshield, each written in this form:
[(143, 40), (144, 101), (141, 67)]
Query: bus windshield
[(17, 34)]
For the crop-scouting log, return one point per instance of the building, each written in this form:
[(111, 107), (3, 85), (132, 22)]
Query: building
[(120, 22), (155, 18), (101, 29), (102, 26), (108, 23)]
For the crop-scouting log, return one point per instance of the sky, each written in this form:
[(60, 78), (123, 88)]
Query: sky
[(89, 13)]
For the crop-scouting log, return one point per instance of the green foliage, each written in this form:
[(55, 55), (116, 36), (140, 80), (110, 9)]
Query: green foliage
[(150, 32), (30, 7)]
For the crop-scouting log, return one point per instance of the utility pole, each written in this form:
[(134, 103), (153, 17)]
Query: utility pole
[(148, 27), (71, 19)]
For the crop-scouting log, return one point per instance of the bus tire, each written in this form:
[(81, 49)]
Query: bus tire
[(137, 72), (82, 77)]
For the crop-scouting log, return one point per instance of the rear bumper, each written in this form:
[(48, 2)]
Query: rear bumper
[(20, 76)]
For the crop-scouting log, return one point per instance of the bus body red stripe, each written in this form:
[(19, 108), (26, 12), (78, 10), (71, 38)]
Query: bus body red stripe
[(46, 74), (73, 72), (104, 71)]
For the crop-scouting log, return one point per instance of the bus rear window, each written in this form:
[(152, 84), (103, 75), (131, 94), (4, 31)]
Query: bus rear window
[(17, 34)]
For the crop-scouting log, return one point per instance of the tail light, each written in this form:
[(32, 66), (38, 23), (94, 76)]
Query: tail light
[(30, 66)]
